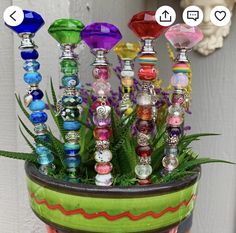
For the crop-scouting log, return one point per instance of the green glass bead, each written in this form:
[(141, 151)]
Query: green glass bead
[(69, 67), (66, 31)]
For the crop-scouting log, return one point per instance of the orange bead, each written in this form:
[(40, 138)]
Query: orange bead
[(144, 112)]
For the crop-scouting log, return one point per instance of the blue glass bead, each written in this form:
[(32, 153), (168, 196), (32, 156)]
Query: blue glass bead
[(43, 137), (80, 99), (71, 125), (32, 23), (32, 78), (37, 105), (70, 81), (38, 117), (72, 152), (40, 150), (70, 101), (68, 146), (37, 94), (72, 162), (29, 54), (45, 159), (78, 87), (31, 66)]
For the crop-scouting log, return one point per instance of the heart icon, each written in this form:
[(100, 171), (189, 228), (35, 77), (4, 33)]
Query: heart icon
[(220, 15)]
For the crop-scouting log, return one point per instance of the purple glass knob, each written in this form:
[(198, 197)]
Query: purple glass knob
[(101, 36), (183, 36)]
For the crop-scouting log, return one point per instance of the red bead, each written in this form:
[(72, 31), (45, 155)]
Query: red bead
[(102, 134), (144, 112), (145, 26), (144, 151), (145, 127), (103, 168), (147, 73), (101, 72), (144, 182)]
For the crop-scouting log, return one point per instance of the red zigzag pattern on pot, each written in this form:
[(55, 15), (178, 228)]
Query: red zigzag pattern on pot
[(108, 216)]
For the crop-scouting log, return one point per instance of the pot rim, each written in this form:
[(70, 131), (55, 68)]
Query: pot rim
[(109, 192)]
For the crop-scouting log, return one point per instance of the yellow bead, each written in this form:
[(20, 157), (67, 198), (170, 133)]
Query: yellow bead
[(127, 51), (128, 111), (127, 82)]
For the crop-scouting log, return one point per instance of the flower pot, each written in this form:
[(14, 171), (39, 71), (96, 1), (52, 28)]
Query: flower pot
[(68, 207)]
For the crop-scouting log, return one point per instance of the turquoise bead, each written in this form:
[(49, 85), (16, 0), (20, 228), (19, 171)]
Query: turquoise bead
[(32, 78), (70, 81), (40, 150), (71, 125), (72, 162), (45, 159), (37, 105), (68, 146), (43, 137)]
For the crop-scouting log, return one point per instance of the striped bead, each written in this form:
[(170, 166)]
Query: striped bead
[(181, 68), (147, 59)]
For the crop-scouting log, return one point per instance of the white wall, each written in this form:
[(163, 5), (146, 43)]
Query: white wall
[(213, 108)]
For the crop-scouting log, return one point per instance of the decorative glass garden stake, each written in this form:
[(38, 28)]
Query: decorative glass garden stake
[(183, 38), (67, 33), (101, 37), (33, 99), (145, 26), (127, 52)]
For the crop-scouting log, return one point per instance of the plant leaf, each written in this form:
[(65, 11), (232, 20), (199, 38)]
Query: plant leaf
[(19, 155)]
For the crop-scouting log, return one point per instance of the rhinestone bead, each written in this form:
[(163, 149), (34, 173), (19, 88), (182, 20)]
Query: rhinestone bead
[(66, 31), (183, 36), (127, 50), (31, 24), (101, 36), (145, 26)]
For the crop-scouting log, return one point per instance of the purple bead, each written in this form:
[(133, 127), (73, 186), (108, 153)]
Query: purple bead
[(101, 36), (101, 122), (174, 131)]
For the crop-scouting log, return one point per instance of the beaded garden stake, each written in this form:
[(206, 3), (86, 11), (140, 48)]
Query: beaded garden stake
[(67, 33), (145, 26), (183, 38), (33, 99), (127, 52), (101, 37)]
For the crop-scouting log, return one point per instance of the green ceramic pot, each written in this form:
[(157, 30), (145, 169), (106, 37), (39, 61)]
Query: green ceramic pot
[(69, 207)]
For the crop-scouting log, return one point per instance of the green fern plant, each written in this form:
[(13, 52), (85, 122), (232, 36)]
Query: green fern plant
[(122, 145)]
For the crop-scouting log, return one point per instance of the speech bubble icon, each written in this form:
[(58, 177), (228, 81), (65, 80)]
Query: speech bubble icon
[(193, 15)]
